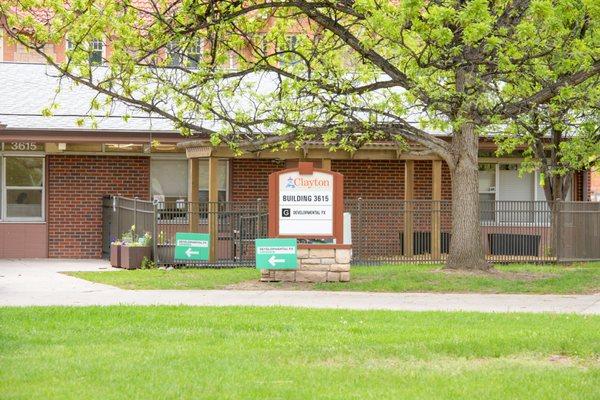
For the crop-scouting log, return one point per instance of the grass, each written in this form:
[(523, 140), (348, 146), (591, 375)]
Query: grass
[(276, 353), (514, 278), (174, 279)]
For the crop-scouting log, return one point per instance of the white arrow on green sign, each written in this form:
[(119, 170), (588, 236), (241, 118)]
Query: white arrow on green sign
[(191, 246), (276, 254)]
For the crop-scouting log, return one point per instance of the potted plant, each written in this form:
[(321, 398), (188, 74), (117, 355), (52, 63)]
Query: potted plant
[(115, 253), (134, 251)]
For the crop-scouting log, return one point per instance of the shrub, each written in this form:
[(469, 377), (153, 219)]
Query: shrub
[(148, 264)]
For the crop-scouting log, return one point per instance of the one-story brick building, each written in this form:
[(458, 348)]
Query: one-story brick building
[(55, 170)]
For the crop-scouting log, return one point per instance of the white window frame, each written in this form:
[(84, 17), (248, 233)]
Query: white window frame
[(198, 50), (177, 157), (102, 51), (69, 47), (496, 176), (184, 55), (170, 218), (4, 217), (291, 44)]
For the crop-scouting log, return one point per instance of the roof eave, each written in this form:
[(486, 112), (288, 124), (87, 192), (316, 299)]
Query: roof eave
[(89, 136)]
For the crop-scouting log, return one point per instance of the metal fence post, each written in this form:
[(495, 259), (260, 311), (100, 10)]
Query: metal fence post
[(134, 216), (258, 219), (155, 257), (117, 208), (361, 233), (558, 224)]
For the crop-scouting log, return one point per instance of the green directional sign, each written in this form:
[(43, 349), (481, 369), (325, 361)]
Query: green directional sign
[(191, 246), (276, 254)]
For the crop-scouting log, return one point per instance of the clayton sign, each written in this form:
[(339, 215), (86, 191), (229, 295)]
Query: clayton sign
[(305, 203)]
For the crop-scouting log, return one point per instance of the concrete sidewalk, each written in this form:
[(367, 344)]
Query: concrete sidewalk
[(39, 282)]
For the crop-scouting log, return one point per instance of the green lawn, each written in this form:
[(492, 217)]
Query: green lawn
[(278, 353), (578, 278), (175, 279), (513, 278)]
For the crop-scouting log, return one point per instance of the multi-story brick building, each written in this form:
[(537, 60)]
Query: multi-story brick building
[(55, 170)]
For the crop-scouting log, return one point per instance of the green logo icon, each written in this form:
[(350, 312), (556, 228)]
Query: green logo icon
[(276, 254), (191, 246)]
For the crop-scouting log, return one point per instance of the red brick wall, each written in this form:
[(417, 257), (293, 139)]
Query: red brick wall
[(250, 178), (380, 225), (76, 185), (369, 179), (15, 52), (384, 179)]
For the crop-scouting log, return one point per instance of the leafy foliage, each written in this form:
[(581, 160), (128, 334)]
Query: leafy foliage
[(343, 72)]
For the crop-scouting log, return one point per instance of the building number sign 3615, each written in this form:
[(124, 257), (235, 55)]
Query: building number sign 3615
[(23, 146)]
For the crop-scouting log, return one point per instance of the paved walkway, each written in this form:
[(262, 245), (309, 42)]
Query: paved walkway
[(38, 282)]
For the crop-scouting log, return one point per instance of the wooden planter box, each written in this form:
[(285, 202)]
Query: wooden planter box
[(131, 257), (115, 255)]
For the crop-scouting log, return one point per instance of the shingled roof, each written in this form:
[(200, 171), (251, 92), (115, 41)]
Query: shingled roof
[(27, 89)]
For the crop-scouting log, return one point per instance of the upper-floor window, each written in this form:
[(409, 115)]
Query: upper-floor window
[(95, 49), (185, 55), (289, 57)]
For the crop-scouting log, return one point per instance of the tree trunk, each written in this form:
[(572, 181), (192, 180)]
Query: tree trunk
[(555, 190), (466, 247)]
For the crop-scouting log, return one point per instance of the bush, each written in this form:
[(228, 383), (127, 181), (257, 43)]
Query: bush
[(148, 264)]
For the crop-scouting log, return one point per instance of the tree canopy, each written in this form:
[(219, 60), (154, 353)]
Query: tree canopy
[(347, 71), (559, 138)]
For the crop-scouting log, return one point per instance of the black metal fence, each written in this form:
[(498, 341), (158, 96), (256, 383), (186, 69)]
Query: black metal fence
[(238, 225), (383, 231), (395, 231)]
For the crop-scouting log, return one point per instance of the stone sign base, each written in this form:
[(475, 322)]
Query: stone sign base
[(316, 263)]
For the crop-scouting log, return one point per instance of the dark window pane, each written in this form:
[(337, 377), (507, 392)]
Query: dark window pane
[(203, 196), (174, 54), (96, 57), (96, 47), (25, 203)]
